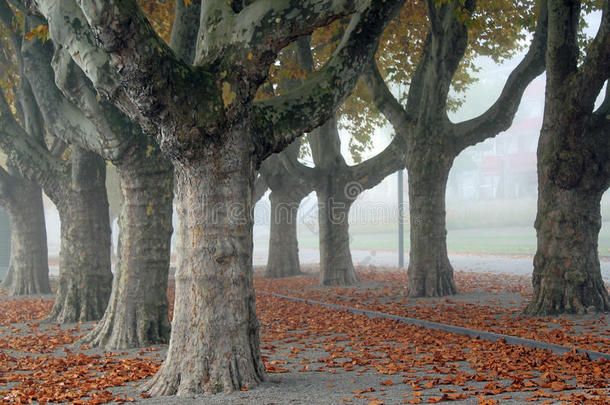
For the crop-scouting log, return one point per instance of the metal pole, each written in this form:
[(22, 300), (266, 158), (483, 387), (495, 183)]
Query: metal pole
[(401, 216)]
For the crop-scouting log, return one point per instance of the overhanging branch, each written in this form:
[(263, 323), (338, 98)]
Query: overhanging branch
[(279, 120), (383, 98), (500, 115)]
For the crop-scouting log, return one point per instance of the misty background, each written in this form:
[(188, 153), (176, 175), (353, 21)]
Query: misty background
[(491, 192)]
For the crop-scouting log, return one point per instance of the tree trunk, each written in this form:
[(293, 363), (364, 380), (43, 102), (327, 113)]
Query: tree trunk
[(137, 313), (28, 271), (214, 344), (430, 274), (334, 202), (567, 277), (283, 258), (84, 259)]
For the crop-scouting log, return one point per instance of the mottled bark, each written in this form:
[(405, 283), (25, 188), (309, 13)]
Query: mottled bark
[(430, 273), (567, 276), (137, 313), (431, 141), (336, 266), (573, 168), (283, 259), (199, 115), (214, 344), (84, 259), (28, 271), (287, 192)]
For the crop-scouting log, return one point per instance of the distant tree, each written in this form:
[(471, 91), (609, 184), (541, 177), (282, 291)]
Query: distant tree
[(336, 184), (573, 167), (28, 271), (73, 180), (455, 31), (76, 186), (206, 121), (287, 192)]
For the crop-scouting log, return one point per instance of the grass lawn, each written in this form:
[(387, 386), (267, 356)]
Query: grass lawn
[(505, 240)]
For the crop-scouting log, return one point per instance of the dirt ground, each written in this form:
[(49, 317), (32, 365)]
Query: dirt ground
[(317, 355)]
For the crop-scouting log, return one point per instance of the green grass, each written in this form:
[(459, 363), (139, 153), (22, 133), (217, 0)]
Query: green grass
[(502, 240)]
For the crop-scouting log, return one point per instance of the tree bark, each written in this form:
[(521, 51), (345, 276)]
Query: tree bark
[(567, 277), (336, 266), (429, 274), (84, 258), (214, 343), (137, 313), (283, 258), (573, 168), (28, 271)]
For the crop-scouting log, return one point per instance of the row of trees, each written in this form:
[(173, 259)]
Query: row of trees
[(201, 104)]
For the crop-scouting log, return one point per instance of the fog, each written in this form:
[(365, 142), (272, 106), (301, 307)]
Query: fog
[(490, 200)]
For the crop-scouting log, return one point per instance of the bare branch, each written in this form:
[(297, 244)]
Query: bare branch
[(372, 171), (383, 98), (500, 115), (6, 18), (116, 47), (61, 117), (595, 70), (185, 27), (284, 20), (281, 119), (433, 17), (29, 156)]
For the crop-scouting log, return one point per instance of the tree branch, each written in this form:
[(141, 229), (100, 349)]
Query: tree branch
[(433, 17), (297, 169), (6, 18), (595, 70), (383, 98), (372, 171), (128, 64), (279, 120), (61, 117), (500, 115), (30, 157), (114, 132), (183, 40), (270, 25), (280, 173)]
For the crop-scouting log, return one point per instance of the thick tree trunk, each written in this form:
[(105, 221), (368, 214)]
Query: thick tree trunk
[(336, 266), (137, 313), (28, 271), (84, 259), (283, 258), (567, 277), (430, 273), (214, 343)]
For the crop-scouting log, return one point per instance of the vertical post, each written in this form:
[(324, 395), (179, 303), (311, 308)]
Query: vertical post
[(401, 217)]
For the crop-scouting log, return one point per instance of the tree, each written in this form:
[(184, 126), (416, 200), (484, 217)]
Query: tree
[(432, 141), (205, 120), (573, 168), (77, 189), (28, 271), (287, 192), (137, 313), (74, 183), (337, 185)]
